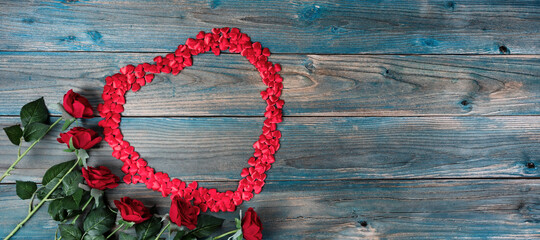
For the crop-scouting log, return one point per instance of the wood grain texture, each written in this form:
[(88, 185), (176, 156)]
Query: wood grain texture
[(315, 85), (213, 149), (430, 133), (346, 27), (443, 209)]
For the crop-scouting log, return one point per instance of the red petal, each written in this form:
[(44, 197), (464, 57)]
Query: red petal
[(127, 179), (149, 78), (135, 87), (244, 173)]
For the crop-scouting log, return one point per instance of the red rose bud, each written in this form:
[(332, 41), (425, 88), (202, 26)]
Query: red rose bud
[(132, 210), (100, 178), (77, 105), (83, 138), (183, 213), (251, 226)]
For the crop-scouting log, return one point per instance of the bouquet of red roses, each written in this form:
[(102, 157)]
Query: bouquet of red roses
[(75, 191)]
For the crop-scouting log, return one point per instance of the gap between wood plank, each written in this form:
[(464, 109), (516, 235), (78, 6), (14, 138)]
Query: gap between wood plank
[(294, 53), (356, 180), (311, 116)]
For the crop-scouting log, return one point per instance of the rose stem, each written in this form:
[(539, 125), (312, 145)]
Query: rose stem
[(83, 208), (163, 230), (116, 230), (19, 226), (20, 156), (225, 234)]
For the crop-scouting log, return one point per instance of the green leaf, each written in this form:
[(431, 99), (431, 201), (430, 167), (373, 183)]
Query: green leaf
[(56, 211), (71, 147), (57, 170), (62, 209), (148, 229), (238, 223), (14, 134), (71, 182), (34, 111), (42, 191), (94, 237), (206, 225), (68, 123), (97, 195), (25, 190), (125, 236), (179, 235), (52, 177), (73, 213), (99, 221), (69, 232), (35, 131), (78, 196), (69, 203), (82, 154)]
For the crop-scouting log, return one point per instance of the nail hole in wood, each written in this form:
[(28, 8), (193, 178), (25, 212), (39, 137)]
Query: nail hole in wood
[(530, 165), (363, 223), (464, 102), (503, 49), (450, 5)]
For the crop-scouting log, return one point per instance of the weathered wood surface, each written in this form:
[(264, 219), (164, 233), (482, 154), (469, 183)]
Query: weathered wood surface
[(440, 209), (346, 27), (316, 85), (316, 148), (430, 134)]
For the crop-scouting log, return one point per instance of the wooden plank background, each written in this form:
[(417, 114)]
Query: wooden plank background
[(331, 27), (420, 118), (317, 85)]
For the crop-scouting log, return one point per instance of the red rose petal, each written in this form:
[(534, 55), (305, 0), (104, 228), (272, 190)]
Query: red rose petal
[(149, 78), (135, 87), (244, 173), (216, 51)]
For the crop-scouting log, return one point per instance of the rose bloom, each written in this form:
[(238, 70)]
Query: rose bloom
[(77, 105), (132, 210), (100, 178), (183, 213), (251, 225), (83, 138)]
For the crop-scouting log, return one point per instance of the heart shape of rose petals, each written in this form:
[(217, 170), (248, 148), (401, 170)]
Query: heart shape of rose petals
[(134, 77)]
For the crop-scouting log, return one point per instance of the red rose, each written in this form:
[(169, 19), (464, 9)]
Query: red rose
[(132, 210), (100, 178), (83, 138), (251, 226), (77, 105), (183, 213)]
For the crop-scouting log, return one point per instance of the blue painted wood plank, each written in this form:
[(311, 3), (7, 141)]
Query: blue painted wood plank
[(315, 148), (442, 209), (330, 27), (315, 85), (341, 151)]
